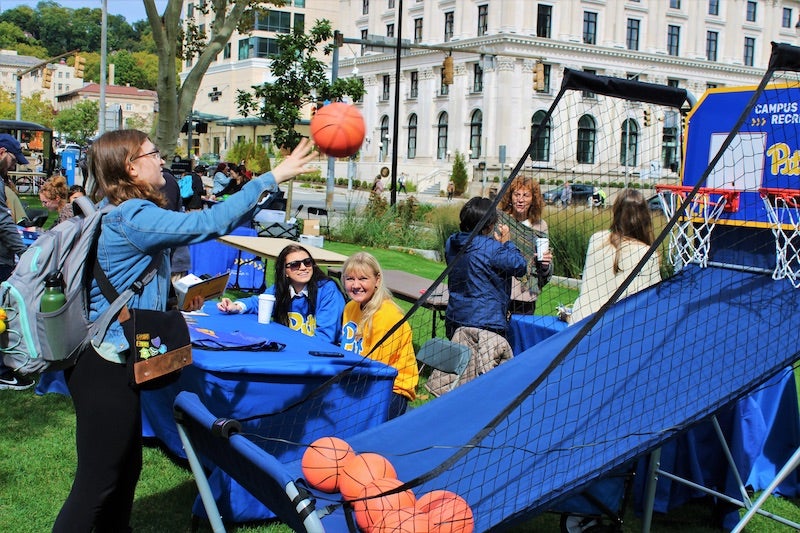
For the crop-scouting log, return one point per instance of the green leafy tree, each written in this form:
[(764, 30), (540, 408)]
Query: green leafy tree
[(172, 41), (34, 109), (254, 155), (13, 38), (78, 123), (459, 175), (300, 80)]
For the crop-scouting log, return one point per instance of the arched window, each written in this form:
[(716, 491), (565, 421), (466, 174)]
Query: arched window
[(412, 136), (587, 134), (629, 147), (441, 136), (384, 138), (475, 134), (541, 144)]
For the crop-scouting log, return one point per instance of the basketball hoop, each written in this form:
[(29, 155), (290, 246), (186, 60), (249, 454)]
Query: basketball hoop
[(783, 211), (690, 241)]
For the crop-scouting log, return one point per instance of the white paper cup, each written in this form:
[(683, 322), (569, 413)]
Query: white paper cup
[(265, 304), (542, 246)]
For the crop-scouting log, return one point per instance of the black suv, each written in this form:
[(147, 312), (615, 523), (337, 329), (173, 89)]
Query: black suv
[(580, 194)]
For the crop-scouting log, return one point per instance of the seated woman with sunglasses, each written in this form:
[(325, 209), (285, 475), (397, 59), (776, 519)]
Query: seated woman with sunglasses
[(306, 299)]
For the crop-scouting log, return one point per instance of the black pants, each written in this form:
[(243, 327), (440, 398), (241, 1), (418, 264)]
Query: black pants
[(109, 444)]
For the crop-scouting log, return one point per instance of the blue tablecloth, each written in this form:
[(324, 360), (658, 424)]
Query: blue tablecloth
[(214, 257), (525, 331), (284, 386)]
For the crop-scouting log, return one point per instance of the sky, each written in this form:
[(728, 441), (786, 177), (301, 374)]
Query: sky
[(132, 10)]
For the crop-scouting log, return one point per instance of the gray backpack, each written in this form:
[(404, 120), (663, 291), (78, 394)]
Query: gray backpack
[(35, 341)]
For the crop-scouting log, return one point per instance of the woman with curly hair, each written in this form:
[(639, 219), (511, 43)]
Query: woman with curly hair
[(54, 194)]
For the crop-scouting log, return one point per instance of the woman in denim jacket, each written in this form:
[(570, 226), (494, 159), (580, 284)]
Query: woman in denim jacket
[(126, 171)]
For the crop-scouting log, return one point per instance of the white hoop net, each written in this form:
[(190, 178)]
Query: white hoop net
[(783, 211), (690, 241)]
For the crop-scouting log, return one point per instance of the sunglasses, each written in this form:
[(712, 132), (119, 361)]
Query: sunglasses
[(294, 265)]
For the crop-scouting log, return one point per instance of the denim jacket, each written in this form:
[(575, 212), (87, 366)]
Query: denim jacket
[(137, 230)]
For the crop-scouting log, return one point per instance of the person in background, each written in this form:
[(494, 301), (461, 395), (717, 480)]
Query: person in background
[(126, 169), (521, 210), (54, 195), (180, 258), (613, 254), (10, 245), (76, 191), (195, 201), (451, 188), (566, 194), (238, 177), (377, 185), (401, 183), (306, 299), (368, 317), (221, 178)]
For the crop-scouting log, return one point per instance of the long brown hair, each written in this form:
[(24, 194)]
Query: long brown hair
[(537, 201), (109, 157), (283, 295), (631, 220)]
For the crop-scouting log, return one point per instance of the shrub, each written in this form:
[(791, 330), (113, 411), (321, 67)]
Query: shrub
[(255, 156)]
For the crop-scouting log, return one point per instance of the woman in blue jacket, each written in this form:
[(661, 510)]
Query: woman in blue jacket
[(126, 171), (306, 299), (480, 280)]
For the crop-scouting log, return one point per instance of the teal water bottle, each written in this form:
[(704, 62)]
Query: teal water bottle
[(53, 297)]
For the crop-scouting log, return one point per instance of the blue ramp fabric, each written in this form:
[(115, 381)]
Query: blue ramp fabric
[(690, 347)]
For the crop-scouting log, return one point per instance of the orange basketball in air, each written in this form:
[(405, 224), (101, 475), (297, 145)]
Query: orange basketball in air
[(361, 470), (370, 511), (338, 129), (322, 462)]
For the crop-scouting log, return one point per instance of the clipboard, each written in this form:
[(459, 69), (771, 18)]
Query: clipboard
[(208, 288)]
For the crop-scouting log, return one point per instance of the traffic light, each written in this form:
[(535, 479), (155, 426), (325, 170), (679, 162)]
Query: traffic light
[(538, 77), (47, 78), (447, 71), (648, 117), (80, 63)]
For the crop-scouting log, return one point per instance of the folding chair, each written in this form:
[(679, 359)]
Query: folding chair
[(320, 212), (446, 356)]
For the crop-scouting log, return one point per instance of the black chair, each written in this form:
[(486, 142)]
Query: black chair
[(35, 217), (320, 212)]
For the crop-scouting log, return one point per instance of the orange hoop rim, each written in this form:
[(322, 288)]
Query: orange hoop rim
[(731, 197)]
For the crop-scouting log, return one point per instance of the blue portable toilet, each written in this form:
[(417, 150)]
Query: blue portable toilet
[(68, 160)]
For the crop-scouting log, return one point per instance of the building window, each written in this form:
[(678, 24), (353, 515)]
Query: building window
[(386, 87), (384, 136), (390, 30), (589, 94), (226, 51), (713, 7), (364, 7), (412, 136), (441, 136), (265, 47), (669, 140), (364, 37), (299, 3), (390, 4), (675, 4), (273, 20), (444, 89), (587, 133), (540, 137), (712, 41), (749, 51), (448, 26), (589, 27), (483, 19), (711, 85), (544, 20), (629, 145), (632, 37), (299, 22), (244, 48), (673, 40), (475, 134), (786, 18), (751, 10), (413, 90), (418, 30), (190, 11), (477, 78)]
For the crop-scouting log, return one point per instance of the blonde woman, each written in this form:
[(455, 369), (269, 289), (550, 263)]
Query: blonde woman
[(368, 316)]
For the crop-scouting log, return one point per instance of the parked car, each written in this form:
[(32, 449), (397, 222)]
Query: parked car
[(580, 194), (209, 160)]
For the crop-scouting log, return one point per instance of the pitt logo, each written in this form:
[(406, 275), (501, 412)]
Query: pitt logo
[(350, 341), (783, 160)]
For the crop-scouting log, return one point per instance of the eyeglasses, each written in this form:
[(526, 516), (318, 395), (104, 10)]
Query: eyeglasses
[(155, 153), (295, 265)]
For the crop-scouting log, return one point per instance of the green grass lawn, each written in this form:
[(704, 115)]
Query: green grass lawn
[(38, 458)]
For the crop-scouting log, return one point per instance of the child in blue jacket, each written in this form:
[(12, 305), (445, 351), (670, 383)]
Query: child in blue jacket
[(306, 300)]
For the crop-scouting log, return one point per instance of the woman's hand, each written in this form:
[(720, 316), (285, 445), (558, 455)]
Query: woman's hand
[(502, 233), (195, 304), (296, 163), (226, 305), (546, 259)]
